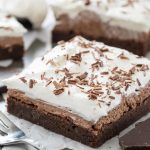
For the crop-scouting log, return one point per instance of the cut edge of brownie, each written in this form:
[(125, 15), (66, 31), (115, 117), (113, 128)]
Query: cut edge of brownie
[(11, 48), (70, 125)]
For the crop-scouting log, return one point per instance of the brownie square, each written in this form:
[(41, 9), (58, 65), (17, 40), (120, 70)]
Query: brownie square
[(117, 23), (11, 38), (82, 89)]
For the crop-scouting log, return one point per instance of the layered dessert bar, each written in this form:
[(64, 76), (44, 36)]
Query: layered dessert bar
[(117, 23), (82, 89), (11, 38)]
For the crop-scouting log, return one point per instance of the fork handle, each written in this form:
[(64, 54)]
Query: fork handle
[(33, 143)]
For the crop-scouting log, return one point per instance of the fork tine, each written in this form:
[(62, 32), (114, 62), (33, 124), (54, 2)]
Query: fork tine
[(2, 133), (3, 129), (7, 123)]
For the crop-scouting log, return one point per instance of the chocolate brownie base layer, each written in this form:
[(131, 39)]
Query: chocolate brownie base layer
[(68, 124), (11, 48)]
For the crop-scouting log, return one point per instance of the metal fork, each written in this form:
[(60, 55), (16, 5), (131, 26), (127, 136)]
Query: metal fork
[(11, 134)]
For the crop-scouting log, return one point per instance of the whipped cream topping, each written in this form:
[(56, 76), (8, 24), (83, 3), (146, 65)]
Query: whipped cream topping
[(86, 77), (34, 10), (129, 14), (10, 27)]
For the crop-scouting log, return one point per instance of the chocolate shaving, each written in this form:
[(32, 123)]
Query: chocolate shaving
[(77, 58), (49, 82), (56, 84), (122, 56), (97, 65), (71, 81), (111, 97), (114, 69), (127, 86), (58, 91), (83, 82), (92, 96), (80, 87), (85, 45), (132, 70), (85, 52), (108, 104), (138, 82), (104, 73), (99, 51), (144, 68), (32, 83), (115, 77), (43, 76), (104, 49), (82, 76), (139, 65), (23, 79)]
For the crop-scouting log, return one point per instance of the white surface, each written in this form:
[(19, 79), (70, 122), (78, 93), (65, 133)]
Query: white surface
[(78, 101), (115, 12)]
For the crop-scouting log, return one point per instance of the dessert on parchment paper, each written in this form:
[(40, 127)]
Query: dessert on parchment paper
[(117, 23), (82, 89)]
